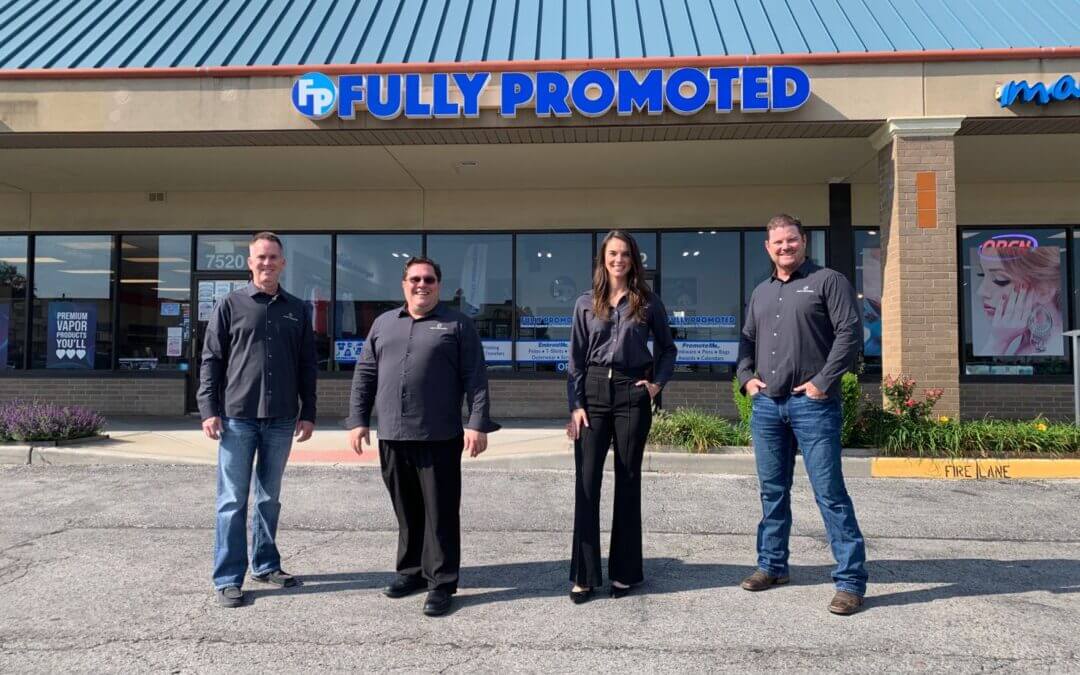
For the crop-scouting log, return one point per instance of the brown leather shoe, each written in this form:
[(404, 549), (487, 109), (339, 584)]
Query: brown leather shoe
[(845, 603), (760, 581)]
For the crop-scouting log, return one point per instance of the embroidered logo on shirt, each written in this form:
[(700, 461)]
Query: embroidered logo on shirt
[(438, 326), (290, 317), (805, 289)]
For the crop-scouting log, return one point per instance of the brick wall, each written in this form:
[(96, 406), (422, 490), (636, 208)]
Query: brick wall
[(1019, 401), (107, 395)]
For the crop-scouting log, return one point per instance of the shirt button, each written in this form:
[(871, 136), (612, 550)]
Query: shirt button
[(774, 334), (774, 353), (774, 372)]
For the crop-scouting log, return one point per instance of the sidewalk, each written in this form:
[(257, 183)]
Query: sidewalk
[(521, 443)]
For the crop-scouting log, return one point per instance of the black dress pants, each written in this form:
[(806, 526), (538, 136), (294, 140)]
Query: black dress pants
[(621, 411), (424, 480)]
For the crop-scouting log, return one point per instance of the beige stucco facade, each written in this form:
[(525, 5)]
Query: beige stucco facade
[(230, 153)]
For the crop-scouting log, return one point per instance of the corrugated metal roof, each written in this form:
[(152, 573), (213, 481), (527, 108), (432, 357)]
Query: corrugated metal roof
[(65, 34)]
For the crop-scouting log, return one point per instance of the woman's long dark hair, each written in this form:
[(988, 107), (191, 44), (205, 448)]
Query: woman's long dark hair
[(637, 291)]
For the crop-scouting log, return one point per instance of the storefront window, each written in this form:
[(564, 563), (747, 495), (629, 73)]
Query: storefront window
[(757, 266), (369, 268), (477, 280), (72, 302), (307, 276), (155, 302), (222, 252), (699, 283), (1014, 297), (552, 271), (646, 242), (868, 288), (12, 300)]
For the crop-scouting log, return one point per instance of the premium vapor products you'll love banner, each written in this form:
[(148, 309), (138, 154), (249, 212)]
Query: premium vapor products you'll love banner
[(591, 93)]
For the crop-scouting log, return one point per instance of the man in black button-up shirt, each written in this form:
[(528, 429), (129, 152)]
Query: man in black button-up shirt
[(417, 364), (258, 361), (802, 333)]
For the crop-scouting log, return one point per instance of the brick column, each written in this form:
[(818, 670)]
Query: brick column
[(920, 305)]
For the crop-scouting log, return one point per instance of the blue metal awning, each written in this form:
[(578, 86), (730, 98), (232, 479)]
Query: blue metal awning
[(107, 34)]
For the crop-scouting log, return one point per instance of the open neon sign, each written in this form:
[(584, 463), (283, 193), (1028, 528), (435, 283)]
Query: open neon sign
[(1007, 246)]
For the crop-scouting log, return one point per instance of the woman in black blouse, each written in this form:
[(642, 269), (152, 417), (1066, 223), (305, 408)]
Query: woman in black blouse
[(613, 379)]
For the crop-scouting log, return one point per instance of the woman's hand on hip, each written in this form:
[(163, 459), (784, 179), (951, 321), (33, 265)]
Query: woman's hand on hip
[(653, 389)]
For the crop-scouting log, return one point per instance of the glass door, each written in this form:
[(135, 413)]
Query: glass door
[(207, 289)]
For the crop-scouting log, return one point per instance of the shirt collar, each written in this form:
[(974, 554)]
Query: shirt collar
[(439, 311), (803, 270), (252, 291)]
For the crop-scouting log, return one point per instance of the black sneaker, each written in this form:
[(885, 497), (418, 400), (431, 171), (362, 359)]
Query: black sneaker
[(277, 578), (230, 596), (403, 586)]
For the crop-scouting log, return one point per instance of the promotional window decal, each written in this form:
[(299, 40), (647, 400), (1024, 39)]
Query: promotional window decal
[(1016, 303), (72, 330)]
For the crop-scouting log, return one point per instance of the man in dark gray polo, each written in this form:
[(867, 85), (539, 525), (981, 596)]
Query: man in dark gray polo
[(257, 390), (802, 333), (417, 363)]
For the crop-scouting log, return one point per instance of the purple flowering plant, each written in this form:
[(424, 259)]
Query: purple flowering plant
[(23, 421)]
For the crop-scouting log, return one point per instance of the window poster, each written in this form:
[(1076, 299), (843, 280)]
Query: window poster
[(1016, 296), (72, 329)]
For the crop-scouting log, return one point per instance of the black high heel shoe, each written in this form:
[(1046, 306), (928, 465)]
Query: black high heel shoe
[(580, 597), (620, 591)]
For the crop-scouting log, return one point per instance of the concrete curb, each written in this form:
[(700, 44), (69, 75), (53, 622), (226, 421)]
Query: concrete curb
[(974, 469)]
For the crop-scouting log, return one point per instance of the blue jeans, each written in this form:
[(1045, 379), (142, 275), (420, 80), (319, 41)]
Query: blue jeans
[(778, 424), (242, 441)]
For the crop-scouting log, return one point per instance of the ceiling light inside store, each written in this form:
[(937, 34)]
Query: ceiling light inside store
[(140, 281), (156, 260), (685, 253), (172, 290), (22, 261), (697, 253), (85, 271), (466, 165), (93, 245)]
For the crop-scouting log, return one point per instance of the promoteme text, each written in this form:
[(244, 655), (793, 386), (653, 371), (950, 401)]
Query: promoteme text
[(591, 93)]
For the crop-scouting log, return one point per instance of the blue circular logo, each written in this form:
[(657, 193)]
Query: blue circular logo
[(314, 96)]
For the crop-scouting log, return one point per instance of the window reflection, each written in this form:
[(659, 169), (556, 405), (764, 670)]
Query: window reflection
[(13, 268), (552, 271), (369, 269), (72, 302), (477, 280), (155, 302), (307, 276)]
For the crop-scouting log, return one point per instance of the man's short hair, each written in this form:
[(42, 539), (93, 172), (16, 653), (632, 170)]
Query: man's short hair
[(267, 236), (421, 260), (784, 220)]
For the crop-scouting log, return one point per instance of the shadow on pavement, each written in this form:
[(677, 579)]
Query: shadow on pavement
[(954, 578)]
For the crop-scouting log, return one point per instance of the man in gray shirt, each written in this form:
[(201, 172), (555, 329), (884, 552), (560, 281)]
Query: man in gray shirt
[(802, 333), (417, 364), (257, 389)]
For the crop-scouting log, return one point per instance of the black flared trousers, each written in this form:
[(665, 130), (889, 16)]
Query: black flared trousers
[(621, 411)]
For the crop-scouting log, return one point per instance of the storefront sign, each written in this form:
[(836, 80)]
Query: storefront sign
[(546, 321), (707, 351), (1066, 88), (71, 332), (498, 351), (592, 93), (543, 351), (347, 351), (718, 321)]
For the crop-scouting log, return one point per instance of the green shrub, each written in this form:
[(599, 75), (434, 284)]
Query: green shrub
[(696, 431), (983, 438), (742, 402)]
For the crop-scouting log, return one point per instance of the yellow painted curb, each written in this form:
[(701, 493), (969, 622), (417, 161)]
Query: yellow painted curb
[(973, 469)]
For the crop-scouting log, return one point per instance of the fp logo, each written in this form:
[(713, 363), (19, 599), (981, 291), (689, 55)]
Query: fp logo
[(314, 95)]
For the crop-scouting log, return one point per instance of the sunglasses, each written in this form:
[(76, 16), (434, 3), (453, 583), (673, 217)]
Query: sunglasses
[(427, 280)]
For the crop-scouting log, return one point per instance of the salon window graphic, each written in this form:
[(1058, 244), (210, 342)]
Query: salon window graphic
[(1016, 294)]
